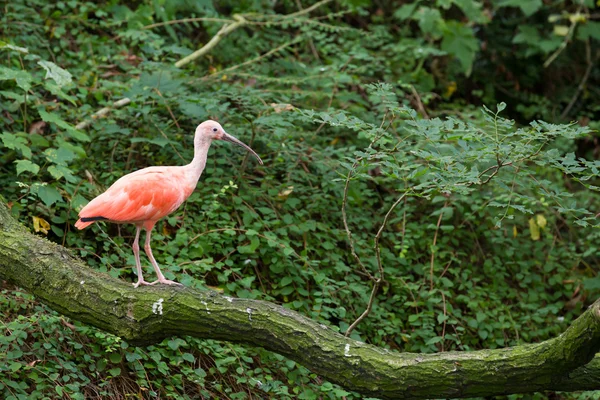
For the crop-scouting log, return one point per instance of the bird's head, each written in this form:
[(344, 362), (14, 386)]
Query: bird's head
[(212, 130)]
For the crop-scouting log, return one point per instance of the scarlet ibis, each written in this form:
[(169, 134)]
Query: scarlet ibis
[(145, 196)]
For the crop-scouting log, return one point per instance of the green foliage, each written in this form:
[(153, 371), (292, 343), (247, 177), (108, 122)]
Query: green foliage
[(493, 243)]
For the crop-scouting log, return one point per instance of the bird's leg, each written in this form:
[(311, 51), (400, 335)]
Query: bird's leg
[(159, 274), (138, 264)]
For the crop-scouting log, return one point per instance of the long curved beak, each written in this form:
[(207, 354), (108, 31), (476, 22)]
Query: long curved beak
[(227, 137)]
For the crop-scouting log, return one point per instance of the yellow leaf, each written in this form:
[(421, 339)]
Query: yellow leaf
[(577, 17), (40, 225), (534, 229), (541, 221), (450, 89), (561, 30), (280, 107), (285, 192), (515, 231)]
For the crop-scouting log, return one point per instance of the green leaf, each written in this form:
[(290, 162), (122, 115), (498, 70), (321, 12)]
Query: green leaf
[(61, 171), (15, 366), (49, 195), (589, 30), (429, 20), (406, 11), (460, 41), (23, 78), (188, 357), (527, 6), (115, 358), (16, 142), (4, 45), (27, 166), (56, 90), (53, 71), (62, 155), (55, 119)]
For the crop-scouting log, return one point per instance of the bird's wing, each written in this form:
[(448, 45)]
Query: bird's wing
[(144, 195)]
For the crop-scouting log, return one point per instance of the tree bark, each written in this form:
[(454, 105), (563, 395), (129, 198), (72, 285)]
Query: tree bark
[(149, 314)]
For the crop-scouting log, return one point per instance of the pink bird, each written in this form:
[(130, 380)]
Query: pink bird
[(145, 196)]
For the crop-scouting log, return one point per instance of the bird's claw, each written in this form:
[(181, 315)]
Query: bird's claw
[(165, 282), (143, 283)]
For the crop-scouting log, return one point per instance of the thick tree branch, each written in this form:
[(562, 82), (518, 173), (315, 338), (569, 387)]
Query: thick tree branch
[(149, 314)]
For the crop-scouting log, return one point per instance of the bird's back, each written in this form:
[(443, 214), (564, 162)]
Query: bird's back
[(145, 195)]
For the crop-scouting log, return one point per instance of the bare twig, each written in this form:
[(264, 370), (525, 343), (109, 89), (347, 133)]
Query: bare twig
[(224, 31), (376, 281), (245, 63), (102, 112), (168, 108), (420, 106), (309, 9), (184, 20), (347, 228), (564, 43), (444, 326), (239, 20), (586, 75), (362, 316), (435, 236)]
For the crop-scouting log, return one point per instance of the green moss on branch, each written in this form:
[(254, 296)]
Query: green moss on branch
[(149, 314)]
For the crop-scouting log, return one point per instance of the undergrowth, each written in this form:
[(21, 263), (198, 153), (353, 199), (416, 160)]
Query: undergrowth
[(488, 219)]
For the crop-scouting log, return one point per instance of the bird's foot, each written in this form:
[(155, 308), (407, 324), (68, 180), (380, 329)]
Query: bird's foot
[(165, 282), (143, 283)]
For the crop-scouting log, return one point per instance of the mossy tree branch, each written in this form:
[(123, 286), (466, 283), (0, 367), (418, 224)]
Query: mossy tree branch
[(149, 314)]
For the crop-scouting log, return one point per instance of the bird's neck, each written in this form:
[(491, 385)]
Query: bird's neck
[(195, 168)]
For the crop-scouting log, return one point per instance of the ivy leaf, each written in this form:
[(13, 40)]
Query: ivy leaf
[(26, 165), (61, 77)]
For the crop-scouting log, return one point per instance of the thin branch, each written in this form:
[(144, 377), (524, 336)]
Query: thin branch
[(365, 313), (224, 31), (102, 112), (184, 20), (377, 281), (252, 61), (564, 43), (435, 236), (586, 75), (308, 10), (239, 21), (345, 220), (168, 108)]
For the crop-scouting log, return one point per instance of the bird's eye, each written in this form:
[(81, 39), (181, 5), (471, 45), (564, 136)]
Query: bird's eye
[(215, 129)]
